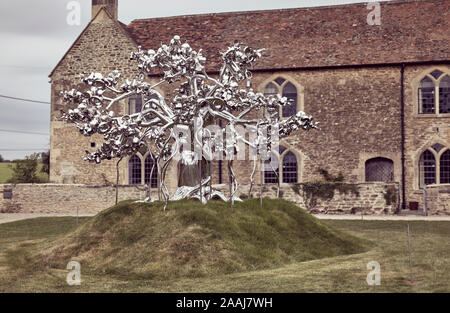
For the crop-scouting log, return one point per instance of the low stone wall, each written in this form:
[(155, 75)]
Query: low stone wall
[(52, 198), (369, 198), (438, 199)]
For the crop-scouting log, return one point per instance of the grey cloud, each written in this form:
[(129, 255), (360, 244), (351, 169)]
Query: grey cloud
[(43, 17)]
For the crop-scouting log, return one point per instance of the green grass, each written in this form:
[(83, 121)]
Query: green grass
[(20, 242), (193, 240), (6, 172)]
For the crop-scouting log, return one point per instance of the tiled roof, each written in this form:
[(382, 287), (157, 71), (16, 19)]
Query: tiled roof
[(410, 31)]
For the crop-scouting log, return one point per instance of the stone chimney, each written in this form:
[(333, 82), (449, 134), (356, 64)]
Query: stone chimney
[(110, 5)]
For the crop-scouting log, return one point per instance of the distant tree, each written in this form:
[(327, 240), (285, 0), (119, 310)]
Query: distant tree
[(45, 158), (25, 171), (1, 159)]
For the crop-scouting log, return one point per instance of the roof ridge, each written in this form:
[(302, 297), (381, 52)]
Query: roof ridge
[(321, 7)]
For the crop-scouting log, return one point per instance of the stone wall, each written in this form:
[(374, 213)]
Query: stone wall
[(359, 111), (103, 47), (422, 131), (357, 121), (369, 198), (438, 199), (54, 198)]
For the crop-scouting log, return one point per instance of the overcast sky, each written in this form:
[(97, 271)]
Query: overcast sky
[(35, 35)]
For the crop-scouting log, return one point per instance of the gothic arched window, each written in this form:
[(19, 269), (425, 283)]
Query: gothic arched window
[(444, 95), (426, 96), (290, 92), (271, 169), (445, 168), (150, 164), (290, 168), (286, 89), (135, 104), (427, 169), (134, 170), (434, 93), (271, 90)]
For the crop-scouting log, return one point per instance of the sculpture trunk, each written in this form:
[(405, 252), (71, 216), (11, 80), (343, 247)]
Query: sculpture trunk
[(117, 180)]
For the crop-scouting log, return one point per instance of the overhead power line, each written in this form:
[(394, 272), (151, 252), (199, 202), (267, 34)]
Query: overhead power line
[(17, 150), (23, 132), (22, 99), (27, 67)]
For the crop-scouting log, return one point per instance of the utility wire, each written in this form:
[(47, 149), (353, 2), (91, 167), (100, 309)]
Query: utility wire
[(26, 100), (23, 132), (16, 150), (26, 67)]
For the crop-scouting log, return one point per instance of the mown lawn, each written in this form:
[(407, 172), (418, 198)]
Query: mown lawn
[(430, 256), (6, 172)]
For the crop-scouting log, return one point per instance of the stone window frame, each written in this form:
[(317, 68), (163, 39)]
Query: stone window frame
[(126, 109), (280, 157), (364, 156), (269, 169), (142, 158), (416, 85), (131, 171), (437, 158), (446, 150), (126, 102), (129, 103), (285, 154), (288, 79)]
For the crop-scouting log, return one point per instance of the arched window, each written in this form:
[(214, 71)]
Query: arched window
[(135, 104), (290, 92), (427, 169), (426, 96), (290, 168), (444, 95), (445, 168), (271, 170), (149, 164), (434, 93), (134, 170), (285, 88), (271, 90), (379, 169)]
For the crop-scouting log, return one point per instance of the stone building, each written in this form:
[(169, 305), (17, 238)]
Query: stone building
[(380, 92)]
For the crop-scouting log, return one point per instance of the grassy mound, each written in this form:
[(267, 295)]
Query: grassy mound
[(195, 240)]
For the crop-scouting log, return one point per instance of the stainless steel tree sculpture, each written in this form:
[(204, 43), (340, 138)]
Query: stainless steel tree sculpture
[(179, 127)]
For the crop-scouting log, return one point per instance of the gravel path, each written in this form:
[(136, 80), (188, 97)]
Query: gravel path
[(383, 217), (12, 217)]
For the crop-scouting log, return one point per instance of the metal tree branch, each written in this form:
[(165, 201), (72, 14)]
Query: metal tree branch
[(196, 98)]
